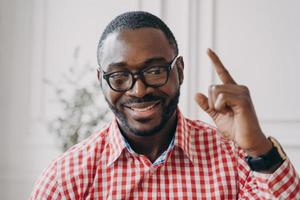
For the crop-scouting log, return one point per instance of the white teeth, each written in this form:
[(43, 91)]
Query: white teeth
[(143, 109)]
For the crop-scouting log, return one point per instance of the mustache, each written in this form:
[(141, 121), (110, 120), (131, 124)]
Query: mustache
[(146, 98)]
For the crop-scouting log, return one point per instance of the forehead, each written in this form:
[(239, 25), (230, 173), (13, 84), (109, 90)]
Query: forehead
[(133, 47)]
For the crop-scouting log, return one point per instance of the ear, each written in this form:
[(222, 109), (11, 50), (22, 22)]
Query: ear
[(180, 68), (99, 74)]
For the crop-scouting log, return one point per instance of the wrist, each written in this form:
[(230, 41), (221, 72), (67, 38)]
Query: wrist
[(268, 162), (261, 148)]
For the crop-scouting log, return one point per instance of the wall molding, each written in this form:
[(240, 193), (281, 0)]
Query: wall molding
[(38, 67), (204, 12)]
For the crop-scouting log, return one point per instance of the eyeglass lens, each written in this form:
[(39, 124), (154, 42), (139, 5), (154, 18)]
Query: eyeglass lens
[(155, 76)]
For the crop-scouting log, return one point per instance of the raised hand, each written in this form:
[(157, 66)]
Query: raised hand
[(231, 108)]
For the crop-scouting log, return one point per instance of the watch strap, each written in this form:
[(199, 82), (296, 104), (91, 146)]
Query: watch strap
[(268, 160)]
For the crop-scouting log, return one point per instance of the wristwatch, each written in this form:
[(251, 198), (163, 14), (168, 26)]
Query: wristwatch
[(272, 158)]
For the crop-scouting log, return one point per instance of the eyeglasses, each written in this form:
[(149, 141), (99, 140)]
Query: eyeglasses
[(153, 76)]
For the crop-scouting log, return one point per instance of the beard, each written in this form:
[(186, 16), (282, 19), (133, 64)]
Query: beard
[(167, 112)]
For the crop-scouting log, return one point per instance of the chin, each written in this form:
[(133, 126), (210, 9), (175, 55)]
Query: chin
[(145, 129), (147, 126)]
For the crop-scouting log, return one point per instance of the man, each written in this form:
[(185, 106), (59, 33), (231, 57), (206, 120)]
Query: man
[(150, 151)]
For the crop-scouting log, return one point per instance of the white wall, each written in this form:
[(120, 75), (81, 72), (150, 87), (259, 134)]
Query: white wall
[(257, 40)]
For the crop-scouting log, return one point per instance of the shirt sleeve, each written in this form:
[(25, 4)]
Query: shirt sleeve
[(46, 187), (284, 183)]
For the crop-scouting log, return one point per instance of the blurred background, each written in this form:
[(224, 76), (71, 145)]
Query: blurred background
[(49, 94)]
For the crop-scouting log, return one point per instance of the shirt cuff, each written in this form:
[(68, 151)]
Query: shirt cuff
[(283, 183)]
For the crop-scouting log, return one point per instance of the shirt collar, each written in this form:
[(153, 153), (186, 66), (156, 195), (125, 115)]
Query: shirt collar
[(182, 139), (116, 142), (183, 136)]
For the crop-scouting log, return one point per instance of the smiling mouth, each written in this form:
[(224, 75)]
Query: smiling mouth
[(143, 109)]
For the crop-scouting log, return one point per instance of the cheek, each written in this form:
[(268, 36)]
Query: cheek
[(111, 96), (172, 85)]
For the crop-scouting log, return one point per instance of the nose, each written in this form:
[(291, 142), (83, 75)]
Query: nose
[(139, 89)]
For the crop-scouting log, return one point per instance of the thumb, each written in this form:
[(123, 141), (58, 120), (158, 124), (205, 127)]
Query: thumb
[(202, 101)]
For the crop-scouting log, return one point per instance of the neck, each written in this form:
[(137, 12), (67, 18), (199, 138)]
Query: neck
[(159, 141)]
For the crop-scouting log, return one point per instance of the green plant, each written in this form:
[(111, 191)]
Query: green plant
[(77, 95)]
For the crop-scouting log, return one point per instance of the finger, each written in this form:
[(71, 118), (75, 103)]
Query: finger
[(227, 101), (215, 90), (211, 97), (202, 101), (229, 88), (220, 104), (236, 91), (220, 69)]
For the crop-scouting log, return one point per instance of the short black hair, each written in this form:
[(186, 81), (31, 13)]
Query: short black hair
[(135, 20)]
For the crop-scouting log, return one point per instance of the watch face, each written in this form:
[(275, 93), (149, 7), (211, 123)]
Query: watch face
[(258, 163)]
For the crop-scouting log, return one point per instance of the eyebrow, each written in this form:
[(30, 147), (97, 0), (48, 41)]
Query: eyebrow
[(146, 62)]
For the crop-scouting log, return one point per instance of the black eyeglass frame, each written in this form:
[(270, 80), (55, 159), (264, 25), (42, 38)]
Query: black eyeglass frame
[(139, 75)]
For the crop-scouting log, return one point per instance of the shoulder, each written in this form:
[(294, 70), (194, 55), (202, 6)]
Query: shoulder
[(82, 156), (76, 162), (91, 147)]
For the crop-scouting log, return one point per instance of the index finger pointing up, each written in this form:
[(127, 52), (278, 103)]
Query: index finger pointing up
[(220, 69)]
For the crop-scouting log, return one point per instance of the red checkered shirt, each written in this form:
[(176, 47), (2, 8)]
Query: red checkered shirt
[(200, 164)]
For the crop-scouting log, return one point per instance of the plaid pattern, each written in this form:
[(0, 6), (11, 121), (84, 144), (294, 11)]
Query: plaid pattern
[(200, 164)]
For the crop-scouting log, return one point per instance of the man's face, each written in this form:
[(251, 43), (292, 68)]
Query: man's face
[(141, 110)]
